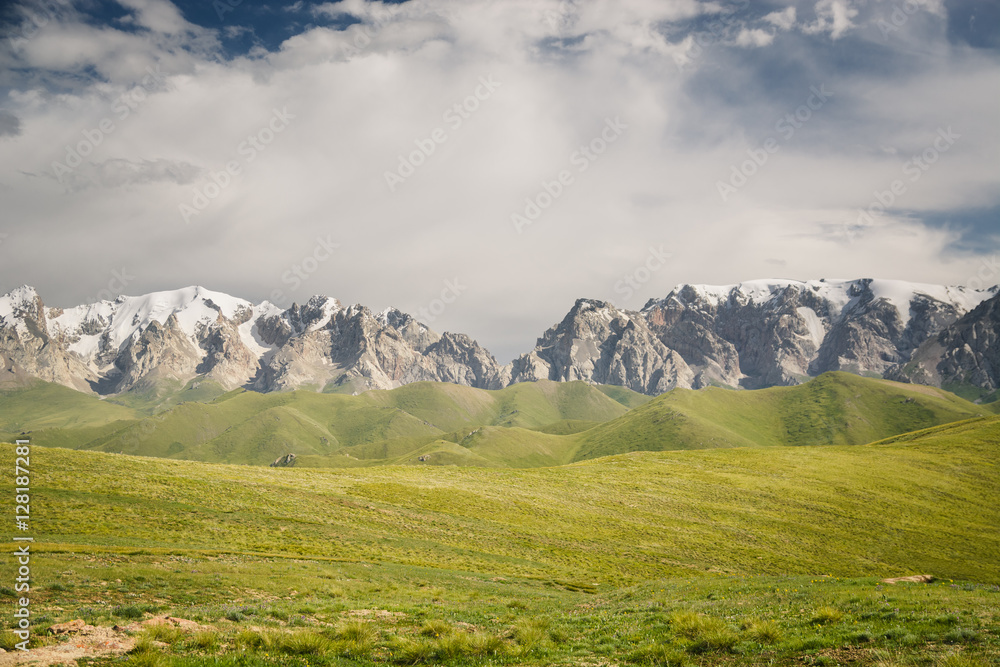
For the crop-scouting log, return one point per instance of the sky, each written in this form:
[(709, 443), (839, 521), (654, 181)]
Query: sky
[(482, 164)]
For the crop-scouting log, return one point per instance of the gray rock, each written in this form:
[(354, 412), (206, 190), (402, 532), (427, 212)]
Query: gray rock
[(966, 352), (755, 334), (286, 461)]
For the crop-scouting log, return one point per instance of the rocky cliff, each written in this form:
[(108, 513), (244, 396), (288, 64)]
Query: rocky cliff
[(141, 343), (754, 334)]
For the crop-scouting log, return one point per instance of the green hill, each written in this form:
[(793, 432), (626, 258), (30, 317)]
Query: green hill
[(833, 409), (925, 502), (248, 427), (525, 425), (44, 405), (722, 557)]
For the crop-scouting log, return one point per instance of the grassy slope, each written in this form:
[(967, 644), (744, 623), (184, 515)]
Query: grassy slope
[(530, 405), (166, 394), (929, 504), (525, 425), (723, 557), (43, 405), (630, 399), (246, 427), (835, 408)]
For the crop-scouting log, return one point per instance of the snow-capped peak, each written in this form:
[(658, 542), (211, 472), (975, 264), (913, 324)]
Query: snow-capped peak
[(839, 293), (113, 323), (16, 304)]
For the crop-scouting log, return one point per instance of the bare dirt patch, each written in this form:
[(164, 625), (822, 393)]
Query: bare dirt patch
[(82, 641), (915, 579)]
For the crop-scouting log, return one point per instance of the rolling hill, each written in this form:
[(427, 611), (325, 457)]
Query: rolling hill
[(923, 502), (250, 427), (525, 425), (834, 409)]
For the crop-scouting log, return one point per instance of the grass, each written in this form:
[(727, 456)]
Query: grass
[(833, 409), (40, 405), (332, 429), (826, 616), (716, 557), (393, 614), (914, 506), (526, 425)]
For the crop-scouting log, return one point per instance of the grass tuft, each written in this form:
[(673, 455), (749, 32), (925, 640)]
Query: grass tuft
[(162, 632), (826, 616), (657, 654), (763, 632), (303, 642), (435, 628), (956, 660), (205, 640), (961, 636)]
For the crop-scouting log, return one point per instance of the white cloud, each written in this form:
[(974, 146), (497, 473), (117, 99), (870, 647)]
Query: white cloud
[(784, 19), (158, 16), (754, 37), (10, 125), (833, 17), (358, 105)]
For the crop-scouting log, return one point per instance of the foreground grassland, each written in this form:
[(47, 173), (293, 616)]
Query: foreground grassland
[(711, 557), (280, 611)]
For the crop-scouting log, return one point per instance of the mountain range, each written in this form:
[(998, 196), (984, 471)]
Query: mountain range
[(751, 335)]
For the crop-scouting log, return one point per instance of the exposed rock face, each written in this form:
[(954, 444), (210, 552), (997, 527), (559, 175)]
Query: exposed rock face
[(286, 461), (965, 353), (596, 342), (325, 344), (140, 343), (755, 334), (28, 350)]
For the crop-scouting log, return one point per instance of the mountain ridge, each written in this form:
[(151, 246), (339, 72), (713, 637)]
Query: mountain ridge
[(752, 334)]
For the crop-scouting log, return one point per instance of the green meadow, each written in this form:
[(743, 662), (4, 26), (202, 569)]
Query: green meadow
[(727, 556), (427, 424), (549, 524)]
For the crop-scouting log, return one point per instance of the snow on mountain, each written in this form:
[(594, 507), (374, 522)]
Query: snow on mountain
[(16, 305), (108, 325), (170, 337), (838, 293), (756, 333)]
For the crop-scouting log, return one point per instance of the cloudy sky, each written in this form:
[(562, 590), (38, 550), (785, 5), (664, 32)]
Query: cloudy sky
[(504, 156)]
